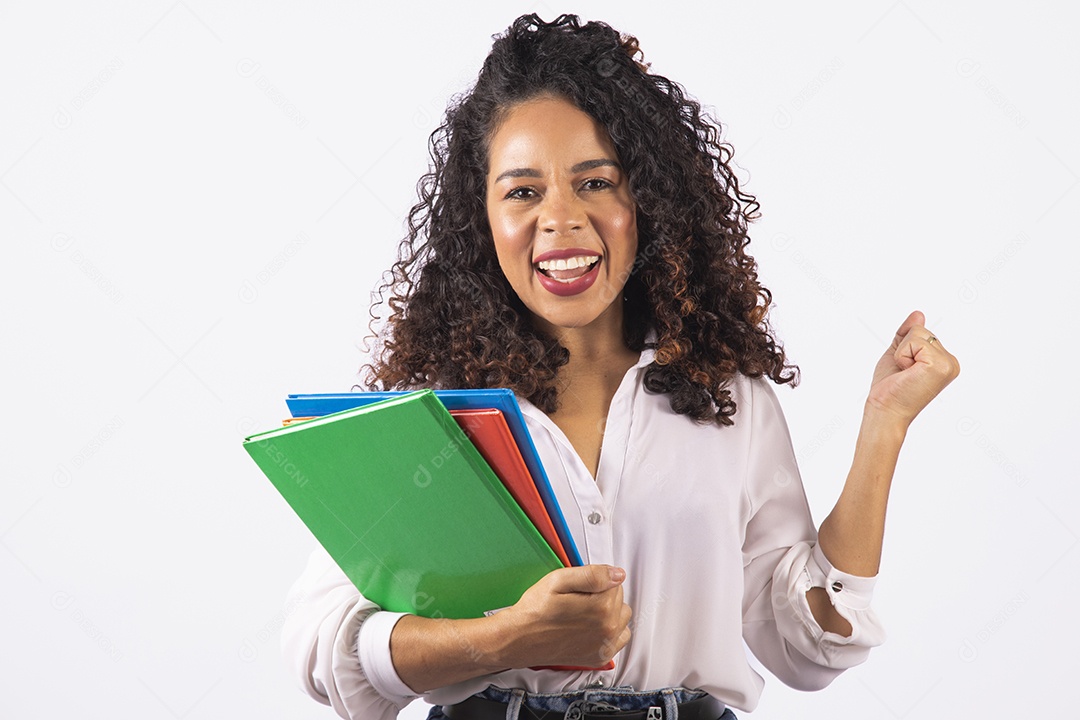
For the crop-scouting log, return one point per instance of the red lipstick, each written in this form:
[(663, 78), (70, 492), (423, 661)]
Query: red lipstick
[(566, 287)]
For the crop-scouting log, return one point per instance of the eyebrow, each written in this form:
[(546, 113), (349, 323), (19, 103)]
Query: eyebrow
[(581, 166)]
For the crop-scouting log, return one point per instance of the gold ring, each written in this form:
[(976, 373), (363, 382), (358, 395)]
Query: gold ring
[(931, 340)]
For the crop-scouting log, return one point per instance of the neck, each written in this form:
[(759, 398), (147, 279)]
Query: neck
[(598, 350)]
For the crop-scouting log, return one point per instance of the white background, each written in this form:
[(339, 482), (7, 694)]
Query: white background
[(196, 200)]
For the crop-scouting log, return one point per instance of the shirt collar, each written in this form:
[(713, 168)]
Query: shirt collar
[(649, 352)]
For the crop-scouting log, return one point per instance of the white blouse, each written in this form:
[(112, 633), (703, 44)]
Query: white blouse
[(713, 529)]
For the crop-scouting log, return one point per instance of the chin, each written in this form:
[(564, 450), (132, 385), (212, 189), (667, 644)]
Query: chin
[(563, 322), (565, 318)]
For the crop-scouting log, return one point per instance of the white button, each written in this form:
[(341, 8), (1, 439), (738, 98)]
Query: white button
[(594, 517)]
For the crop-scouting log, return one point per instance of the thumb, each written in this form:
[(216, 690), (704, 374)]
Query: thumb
[(915, 318), (587, 579)]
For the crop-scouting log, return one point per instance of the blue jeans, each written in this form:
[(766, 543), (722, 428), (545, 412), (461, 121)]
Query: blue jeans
[(623, 697)]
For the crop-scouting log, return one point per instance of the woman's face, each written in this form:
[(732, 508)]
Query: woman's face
[(561, 214)]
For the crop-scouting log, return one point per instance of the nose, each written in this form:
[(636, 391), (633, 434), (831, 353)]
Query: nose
[(561, 211)]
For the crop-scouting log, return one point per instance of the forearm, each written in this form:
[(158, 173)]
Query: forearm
[(910, 373), (432, 653), (851, 536), (572, 616)]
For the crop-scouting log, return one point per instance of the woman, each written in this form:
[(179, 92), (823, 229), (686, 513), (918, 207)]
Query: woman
[(581, 240)]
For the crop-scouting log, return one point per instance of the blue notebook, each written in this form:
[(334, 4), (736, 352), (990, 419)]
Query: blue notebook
[(315, 404)]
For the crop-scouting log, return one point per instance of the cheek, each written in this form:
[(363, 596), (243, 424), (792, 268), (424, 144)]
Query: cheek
[(622, 228), (511, 234), (505, 236)]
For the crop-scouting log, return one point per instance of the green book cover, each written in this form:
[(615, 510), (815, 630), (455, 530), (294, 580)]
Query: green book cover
[(407, 507)]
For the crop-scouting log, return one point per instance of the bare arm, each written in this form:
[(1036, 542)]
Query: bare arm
[(909, 375), (852, 534), (572, 616)]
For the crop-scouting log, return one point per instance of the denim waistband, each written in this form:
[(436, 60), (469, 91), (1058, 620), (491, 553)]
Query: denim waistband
[(624, 697)]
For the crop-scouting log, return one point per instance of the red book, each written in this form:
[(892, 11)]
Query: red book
[(490, 434)]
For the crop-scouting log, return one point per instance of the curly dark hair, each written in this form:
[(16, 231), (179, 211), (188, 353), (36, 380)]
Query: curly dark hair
[(454, 319)]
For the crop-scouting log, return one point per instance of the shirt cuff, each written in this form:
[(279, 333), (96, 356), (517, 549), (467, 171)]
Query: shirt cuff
[(852, 591), (373, 648), (804, 567), (850, 595)]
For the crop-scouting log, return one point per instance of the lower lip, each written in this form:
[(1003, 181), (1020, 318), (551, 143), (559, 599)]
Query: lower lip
[(578, 285)]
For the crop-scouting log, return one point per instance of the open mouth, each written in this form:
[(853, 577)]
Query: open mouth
[(567, 270)]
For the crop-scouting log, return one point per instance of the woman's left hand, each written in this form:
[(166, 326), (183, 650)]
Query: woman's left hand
[(914, 369)]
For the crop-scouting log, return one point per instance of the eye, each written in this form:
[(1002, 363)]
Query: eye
[(515, 193), (600, 184)]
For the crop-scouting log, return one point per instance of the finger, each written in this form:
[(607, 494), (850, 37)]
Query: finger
[(915, 318), (931, 340), (920, 337), (618, 599), (909, 346), (926, 347), (623, 639), (610, 647), (922, 345), (587, 578)]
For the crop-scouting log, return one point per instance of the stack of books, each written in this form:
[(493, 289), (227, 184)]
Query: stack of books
[(431, 502)]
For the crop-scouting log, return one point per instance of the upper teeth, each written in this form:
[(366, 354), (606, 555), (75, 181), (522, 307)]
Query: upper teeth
[(568, 263)]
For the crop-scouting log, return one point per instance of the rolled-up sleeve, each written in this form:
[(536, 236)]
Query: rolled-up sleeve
[(805, 567), (337, 644), (782, 561)]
